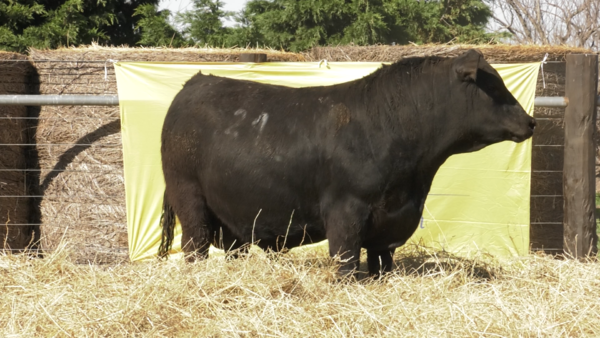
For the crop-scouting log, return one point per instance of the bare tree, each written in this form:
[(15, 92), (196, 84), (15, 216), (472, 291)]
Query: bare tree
[(567, 22)]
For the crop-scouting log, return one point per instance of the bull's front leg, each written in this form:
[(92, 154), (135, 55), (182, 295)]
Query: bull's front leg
[(380, 261), (345, 222)]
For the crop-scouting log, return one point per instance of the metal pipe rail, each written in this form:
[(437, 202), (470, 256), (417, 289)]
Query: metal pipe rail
[(113, 100), (554, 101), (59, 100)]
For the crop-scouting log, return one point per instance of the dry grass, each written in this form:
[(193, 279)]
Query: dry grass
[(295, 295)]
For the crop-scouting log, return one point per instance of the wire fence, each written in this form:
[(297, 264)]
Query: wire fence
[(72, 167)]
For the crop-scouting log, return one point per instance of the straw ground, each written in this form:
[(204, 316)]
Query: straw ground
[(295, 295)]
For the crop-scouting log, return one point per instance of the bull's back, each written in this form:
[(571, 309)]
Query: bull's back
[(220, 117)]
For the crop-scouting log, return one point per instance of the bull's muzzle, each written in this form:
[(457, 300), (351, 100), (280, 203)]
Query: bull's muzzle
[(527, 132)]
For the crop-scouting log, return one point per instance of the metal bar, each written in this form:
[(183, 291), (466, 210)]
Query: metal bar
[(55, 196), (60, 100), (59, 224), (113, 100), (60, 144), (67, 120), (113, 250), (551, 101), (77, 61), (107, 171)]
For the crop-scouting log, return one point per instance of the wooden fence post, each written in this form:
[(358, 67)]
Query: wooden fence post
[(579, 172), (247, 57)]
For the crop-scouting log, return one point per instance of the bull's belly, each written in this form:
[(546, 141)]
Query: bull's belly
[(272, 235), (259, 199), (271, 219)]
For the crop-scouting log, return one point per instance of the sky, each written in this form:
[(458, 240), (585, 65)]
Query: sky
[(182, 5)]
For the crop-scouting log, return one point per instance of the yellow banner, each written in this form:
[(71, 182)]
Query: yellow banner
[(479, 202)]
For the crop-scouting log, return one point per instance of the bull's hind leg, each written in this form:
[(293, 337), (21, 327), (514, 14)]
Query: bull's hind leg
[(189, 205), (380, 261)]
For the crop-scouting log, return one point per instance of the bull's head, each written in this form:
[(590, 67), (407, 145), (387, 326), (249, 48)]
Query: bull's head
[(494, 113)]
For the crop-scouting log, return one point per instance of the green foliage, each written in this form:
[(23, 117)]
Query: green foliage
[(13, 14), (444, 20), (245, 34), (295, 25), (204, 25), (51, 24), (300, 24), (14, 17), (155, 28), (288, 24)]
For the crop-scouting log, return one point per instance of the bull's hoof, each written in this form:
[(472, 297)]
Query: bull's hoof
[(195, 256), (346, 276)]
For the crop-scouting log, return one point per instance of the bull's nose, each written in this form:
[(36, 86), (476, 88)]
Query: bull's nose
[(532, 124)]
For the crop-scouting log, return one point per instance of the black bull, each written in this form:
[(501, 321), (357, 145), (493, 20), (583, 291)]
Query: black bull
[(351, 163)]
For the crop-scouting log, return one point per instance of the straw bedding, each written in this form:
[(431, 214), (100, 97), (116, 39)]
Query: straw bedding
[(295, 295), (84, 196), (14, 211)]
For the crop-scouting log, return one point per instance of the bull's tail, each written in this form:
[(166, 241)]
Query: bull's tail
[(167, 220)]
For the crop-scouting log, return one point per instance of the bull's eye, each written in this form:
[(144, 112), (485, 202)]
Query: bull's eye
[(494, 87)]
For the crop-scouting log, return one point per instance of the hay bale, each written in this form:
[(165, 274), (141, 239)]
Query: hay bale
[(492, 53), (14, 211), (85, 202)]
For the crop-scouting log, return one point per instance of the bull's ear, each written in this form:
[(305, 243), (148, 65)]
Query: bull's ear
[(466, 65)]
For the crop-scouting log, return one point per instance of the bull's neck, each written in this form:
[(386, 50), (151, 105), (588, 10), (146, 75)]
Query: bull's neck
[(424, 127)]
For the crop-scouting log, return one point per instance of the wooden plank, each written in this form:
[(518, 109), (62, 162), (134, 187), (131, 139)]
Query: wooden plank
[(549, 132), (547, 112), (547, 158), (547, 237), (248, 57), (546, 183), (546, 210), (554, 80), (554, 76), (580, 238)]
